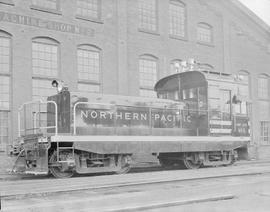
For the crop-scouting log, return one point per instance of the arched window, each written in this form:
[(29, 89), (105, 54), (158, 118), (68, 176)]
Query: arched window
[(147, 15), (5, 75), (45, 66), (45, 57), (90, 9), (177, 18), (204, 33), (175, 66), (88, 66), (148, 75)]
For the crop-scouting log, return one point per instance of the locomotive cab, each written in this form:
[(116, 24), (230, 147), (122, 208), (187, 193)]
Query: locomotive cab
[(211, 100), (190, 88)]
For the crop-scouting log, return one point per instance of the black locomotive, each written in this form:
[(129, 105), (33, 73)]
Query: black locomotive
[(186, 125)]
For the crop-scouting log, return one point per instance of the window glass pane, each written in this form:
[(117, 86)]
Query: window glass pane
[(264, 138), (4, 132), (49, 4), (263, 87), (214, 108), (148, 15), (264, 110), (204, 33), (243, 106), (44, 59), (42, 88), (148, 76), (83, 87), (177, 18), (88, 8), (4, 92), (225, 101), (4, 55), (88, 65)]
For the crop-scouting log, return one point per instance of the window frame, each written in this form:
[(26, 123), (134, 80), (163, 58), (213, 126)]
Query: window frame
[(8, 74), (46, 41), (183, 5), (93, 48), (56, 11), (209, 27), (267, 78), (263, 135), (261, 100), (147, 30), (89, 18), (147, 57), (7, 111)]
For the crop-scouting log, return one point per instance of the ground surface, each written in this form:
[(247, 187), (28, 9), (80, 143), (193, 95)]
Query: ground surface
[(162, 190)]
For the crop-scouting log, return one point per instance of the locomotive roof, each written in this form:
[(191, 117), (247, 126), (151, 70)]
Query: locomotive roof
[(189, 78)]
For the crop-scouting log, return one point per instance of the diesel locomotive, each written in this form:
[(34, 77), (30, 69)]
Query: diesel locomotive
[(199, 119)]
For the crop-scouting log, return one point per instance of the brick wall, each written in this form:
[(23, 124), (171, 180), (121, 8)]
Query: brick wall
[(238, 45)]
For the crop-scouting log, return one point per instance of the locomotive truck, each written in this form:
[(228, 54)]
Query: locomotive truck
[(197, 120)]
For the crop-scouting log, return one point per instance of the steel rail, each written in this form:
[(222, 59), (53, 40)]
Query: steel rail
[(82, 186)]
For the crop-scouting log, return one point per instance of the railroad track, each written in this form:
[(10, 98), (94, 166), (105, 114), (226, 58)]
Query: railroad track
[(138, 196), (29, 188), (137, 168)]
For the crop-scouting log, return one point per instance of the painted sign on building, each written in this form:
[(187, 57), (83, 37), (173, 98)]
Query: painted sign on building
[(45, 24)]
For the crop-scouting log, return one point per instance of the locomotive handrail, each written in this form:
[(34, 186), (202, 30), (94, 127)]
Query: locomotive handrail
[(35, 117)]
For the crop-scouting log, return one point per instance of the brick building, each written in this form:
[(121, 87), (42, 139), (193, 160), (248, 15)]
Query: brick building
[(124, 46)]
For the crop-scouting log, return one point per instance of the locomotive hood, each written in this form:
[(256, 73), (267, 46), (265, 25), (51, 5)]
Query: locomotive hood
[(124, 100)]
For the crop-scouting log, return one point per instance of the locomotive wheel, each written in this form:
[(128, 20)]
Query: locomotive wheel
[(124, 163), (57, 171), (189, 162)]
